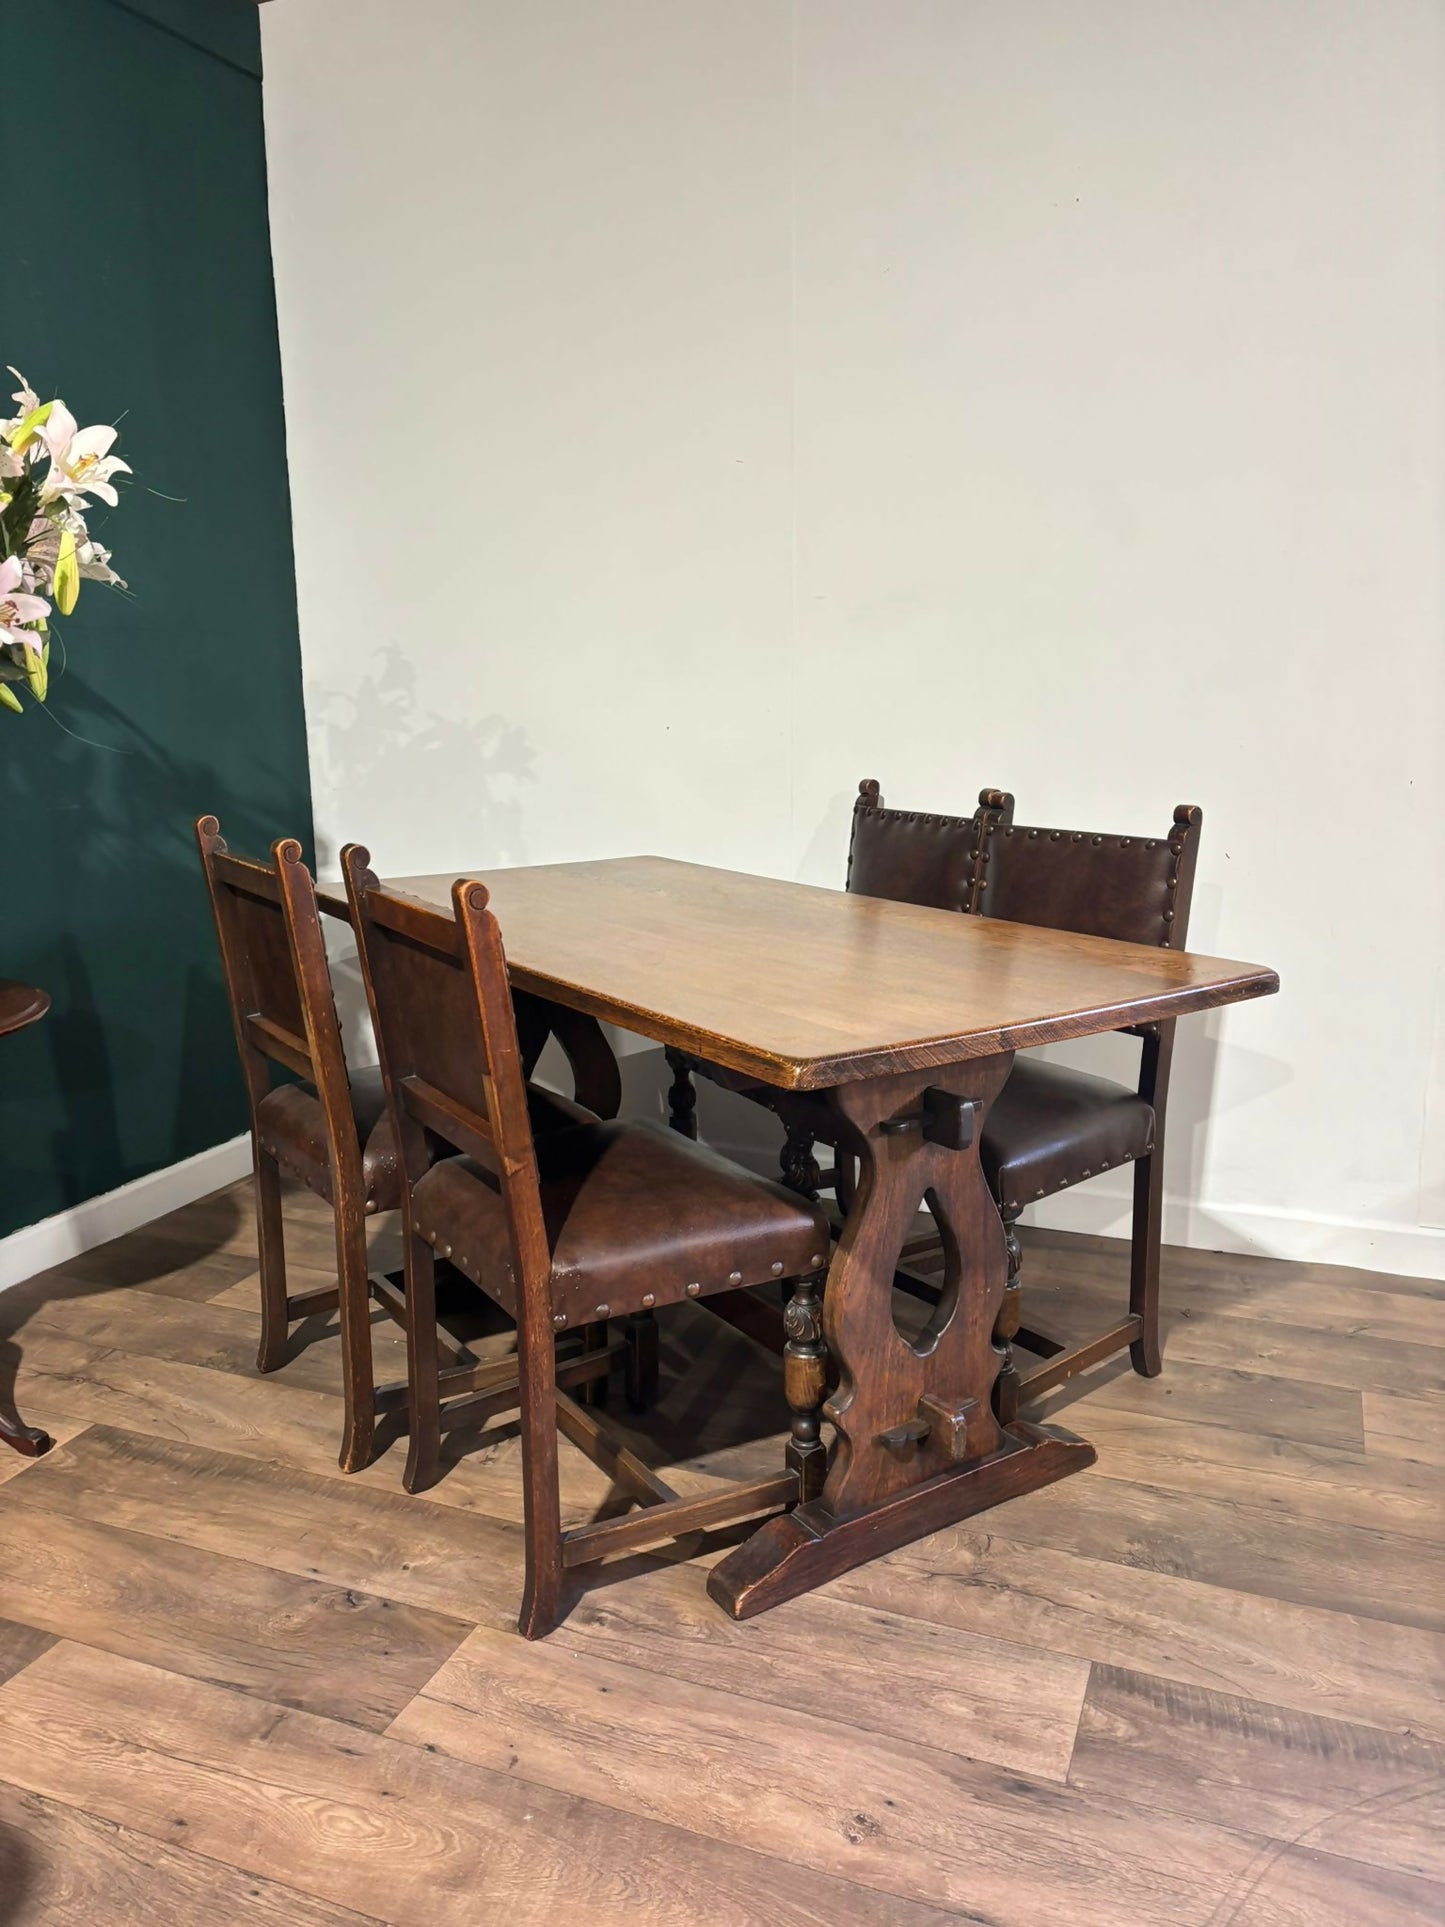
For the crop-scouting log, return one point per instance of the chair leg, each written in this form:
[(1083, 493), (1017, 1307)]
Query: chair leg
[(358, 1379), (1005, 1327), (799, 1166), (640, 1360), (682, 1097), (594, 1392), (805, 1373), (541, 1495), (1144, 1353), (271, 1246), (423, 1458)]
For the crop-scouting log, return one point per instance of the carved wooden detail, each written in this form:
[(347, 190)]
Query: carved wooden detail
[(682, 1095), (805, 1374)]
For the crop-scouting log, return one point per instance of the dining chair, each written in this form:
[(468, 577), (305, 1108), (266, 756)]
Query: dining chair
[(324, 1126), (599, 1221), (1052, 1126)]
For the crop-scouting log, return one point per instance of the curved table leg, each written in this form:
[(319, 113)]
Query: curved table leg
[(917, 1446)]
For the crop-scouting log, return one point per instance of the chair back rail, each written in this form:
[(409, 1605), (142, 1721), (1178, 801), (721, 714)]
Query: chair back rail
[(914, 856), (278, 983), (447, 1033), (1137, 889)]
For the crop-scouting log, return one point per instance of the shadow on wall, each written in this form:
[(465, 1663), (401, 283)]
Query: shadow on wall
[(381, 757), (134, 1066), (379, 763)]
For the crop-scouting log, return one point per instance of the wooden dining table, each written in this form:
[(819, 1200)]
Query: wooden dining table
[(888, 1030)]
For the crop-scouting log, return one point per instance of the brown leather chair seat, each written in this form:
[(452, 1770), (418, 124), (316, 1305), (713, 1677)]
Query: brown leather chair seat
[(1051, 1127), (292, 1126), (636, 1216)]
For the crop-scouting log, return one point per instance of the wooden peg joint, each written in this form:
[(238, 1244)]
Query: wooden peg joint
[(942, 1117)]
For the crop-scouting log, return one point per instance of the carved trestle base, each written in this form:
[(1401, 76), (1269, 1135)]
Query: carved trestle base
[(810, 1545), (917, 1443)]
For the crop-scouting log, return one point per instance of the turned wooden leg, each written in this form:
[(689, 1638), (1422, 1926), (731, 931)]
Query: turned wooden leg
[(682, 1097), (541, 1492), (1005, 1328), (271, 1246), (358, 1380), (805, 1372), (799, 1166), (640, 1360), (1144, 1353), (423, 1458)]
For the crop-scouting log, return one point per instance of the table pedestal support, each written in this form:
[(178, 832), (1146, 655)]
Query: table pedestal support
[(808, 1546), (917, 1445)]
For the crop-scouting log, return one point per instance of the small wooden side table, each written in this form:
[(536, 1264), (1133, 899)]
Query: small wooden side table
[(21, 1005)]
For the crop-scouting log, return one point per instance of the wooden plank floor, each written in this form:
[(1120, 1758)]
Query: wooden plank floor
[(1199, 1685)]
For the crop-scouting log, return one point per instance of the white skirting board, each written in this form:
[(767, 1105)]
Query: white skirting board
[(1408, 1250), (39, 1246)]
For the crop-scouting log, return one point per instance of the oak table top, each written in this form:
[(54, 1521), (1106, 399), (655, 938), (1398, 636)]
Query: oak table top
[(806, 988)]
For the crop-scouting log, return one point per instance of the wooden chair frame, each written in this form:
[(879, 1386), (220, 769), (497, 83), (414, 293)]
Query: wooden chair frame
[(491, 1126), (1139, 1331), (266, 1034)]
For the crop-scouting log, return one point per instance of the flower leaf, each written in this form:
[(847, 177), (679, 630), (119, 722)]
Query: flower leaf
[(66, 587), (28, 427)]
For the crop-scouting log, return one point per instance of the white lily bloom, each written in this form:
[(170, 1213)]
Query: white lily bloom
[(25, 397), (80, 460), (17, 609), (95, 565)]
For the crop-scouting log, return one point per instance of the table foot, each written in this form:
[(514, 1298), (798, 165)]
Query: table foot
[(808, 1546), (24, 1439)]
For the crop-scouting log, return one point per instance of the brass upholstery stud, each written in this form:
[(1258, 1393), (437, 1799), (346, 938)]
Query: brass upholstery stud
[(816, 1259), (559, 1319), (776, 1267), (693, 1290), (735, 1277), (604, 1311), (649, 1299)]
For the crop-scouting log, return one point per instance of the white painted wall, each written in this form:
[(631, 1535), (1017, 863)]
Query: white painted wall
[(694, 407)]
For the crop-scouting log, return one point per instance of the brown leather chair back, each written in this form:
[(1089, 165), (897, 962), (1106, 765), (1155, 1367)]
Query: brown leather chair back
[(1134, 888), (447, 1032), (278, 984), (909, 856)]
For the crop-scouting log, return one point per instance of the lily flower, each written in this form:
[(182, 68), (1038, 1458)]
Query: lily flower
[(81, 463), (24, 395), (17, 609)]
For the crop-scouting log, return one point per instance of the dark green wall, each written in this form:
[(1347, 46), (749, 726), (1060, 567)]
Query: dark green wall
[(138, 282)]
